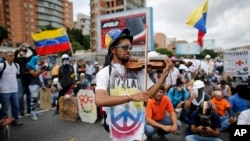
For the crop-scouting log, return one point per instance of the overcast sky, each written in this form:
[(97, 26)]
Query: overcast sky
[(227, 20)]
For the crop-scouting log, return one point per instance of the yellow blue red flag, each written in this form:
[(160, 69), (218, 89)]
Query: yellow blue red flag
[(51, 41), (197, 19)]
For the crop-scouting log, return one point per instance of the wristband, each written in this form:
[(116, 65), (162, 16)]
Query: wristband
[(129, 98)]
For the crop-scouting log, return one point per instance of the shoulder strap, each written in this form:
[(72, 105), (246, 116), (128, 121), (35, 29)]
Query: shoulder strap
[(182, 94), (4, 66)]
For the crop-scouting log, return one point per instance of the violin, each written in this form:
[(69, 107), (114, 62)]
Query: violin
[(136, 65), (157, 64)]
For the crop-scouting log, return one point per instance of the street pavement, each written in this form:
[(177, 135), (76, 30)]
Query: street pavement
[(52, 128)]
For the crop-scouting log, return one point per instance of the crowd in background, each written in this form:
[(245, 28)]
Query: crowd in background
[(186, 90)]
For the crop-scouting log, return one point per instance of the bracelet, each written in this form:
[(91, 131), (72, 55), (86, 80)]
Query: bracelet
[(129, 98)]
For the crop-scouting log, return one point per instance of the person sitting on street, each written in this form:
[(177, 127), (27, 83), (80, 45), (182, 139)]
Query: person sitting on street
[(178, 94), (205, 124), (157, 120), (223, 109)]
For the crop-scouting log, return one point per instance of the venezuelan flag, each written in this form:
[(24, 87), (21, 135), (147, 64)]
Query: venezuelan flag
[(197, 19), (51, 41)]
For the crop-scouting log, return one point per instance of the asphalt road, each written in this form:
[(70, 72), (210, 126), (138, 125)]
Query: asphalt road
[(52, 128)]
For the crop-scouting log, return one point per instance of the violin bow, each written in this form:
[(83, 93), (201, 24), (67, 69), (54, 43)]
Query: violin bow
[(146, 58), (145, 67)]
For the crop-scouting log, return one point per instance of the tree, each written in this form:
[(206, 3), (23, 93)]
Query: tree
[(164, 51), (3, 34), (204, 52)]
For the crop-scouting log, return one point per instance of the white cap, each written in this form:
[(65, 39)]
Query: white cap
[(96, 63)]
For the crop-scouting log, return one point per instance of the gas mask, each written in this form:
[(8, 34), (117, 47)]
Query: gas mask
[(65, 61)]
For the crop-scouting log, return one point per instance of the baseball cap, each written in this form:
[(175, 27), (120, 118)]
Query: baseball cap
[(82, 74), (115, 34)]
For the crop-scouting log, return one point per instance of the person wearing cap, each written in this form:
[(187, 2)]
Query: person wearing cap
[(178, 94), (223, 109), (85, 82), (66, 79), (121, 91), (209, 62), (196, 97), (80, 67), (205, 124)]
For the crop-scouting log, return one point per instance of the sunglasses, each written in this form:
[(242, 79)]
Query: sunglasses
[(125, 47)]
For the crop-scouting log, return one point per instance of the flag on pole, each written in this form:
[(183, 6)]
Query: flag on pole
[(51, 41), (197, 19)]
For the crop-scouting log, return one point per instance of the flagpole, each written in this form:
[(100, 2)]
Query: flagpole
[(71, 49)]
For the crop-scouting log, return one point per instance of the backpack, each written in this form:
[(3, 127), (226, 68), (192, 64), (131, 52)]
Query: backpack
[(66, 79), (4, 66)]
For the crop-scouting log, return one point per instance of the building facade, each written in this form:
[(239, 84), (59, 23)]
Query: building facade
[(83, 23), (160, 40), (23, 17), (101, 7)]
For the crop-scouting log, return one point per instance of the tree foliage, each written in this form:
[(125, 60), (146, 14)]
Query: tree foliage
[(204, 52), (164, 51), (3, 34)]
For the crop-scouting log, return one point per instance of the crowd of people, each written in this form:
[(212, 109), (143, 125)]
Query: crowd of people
[(24, 75), (203, 99)]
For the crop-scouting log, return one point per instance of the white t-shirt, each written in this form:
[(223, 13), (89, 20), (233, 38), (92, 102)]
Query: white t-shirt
[(126, 121), (8, 82), (243, 118), (171, 78)]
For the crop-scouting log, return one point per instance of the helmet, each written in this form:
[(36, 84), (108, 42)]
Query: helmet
[(198, 84), (205, 110), (64, 56), (207, 56), (55, 81), (153, 55)]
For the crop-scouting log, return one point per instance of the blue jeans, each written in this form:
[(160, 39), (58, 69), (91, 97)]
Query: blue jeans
[(224, 122), (151, 130), (9, 99), (195, 137)]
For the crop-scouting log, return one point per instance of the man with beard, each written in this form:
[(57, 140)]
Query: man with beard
[(66, 78), (121, 91)]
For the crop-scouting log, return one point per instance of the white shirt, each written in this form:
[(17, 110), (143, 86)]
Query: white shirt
[(90, 69), (8, 82), (171, 78), (243, 118), (124, 83)]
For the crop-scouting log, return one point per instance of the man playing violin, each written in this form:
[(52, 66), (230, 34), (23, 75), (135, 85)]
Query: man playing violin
[(121, 91)]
